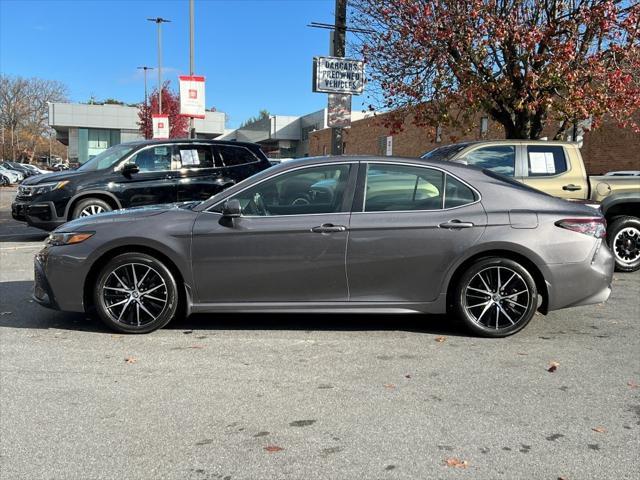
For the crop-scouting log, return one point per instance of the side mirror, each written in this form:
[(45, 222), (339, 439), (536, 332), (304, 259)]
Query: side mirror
[(232, 209), (130, 169)]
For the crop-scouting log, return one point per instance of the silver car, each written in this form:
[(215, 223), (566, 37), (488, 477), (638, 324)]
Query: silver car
[(336, 234)]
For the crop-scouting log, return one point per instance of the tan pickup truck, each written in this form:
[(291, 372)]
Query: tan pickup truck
[(557, 169)]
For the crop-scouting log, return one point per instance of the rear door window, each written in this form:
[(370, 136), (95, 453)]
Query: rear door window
[(545, 160), (232, 156), (195, 156), (457, 193), (401, 188), (497, 158)]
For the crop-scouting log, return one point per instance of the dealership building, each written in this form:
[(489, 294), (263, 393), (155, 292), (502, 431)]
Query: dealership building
[(284, 136), (90, 129)]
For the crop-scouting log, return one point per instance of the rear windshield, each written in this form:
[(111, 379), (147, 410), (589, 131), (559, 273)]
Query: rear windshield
[(512, 182), (444, 153)]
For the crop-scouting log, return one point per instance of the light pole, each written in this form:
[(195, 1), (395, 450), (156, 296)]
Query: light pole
[(191, 68), (145, 68), (159, 21)]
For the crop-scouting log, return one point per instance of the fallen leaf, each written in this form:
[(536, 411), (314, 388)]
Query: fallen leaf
[(553, 366), (187, 332), (390, 386), (273, 448), (408, 375), (440, 339), (130, 360), (632, 384), (599, 429), (456, 463), (522, 353), (563, 478), (196, 346), (116, 336)]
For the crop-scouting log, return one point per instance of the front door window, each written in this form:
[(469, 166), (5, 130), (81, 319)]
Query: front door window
[(305, 191)]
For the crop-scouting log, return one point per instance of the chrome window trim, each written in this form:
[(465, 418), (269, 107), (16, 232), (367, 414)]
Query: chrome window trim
[(473, 189), (208, 210)]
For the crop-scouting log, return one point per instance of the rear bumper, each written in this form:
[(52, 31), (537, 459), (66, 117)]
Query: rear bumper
[(586, 283), (40, 215)]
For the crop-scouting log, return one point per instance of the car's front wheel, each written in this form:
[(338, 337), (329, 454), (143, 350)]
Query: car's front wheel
[(624, 241), (135, 293), (90, 206), (495, 297)]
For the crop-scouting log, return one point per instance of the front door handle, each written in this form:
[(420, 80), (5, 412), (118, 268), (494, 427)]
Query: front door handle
[(329, 228), (453, 224), (571, 187)]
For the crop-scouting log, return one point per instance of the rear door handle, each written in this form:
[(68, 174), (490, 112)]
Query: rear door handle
[(329, 228), (453, 224), (571, 187)]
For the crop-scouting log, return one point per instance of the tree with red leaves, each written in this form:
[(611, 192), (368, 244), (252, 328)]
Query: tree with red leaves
[(178, 124), (525, 63)]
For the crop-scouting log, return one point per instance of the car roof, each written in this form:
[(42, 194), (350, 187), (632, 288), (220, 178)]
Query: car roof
[(211, 141)]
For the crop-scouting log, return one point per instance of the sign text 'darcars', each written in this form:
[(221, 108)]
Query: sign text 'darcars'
[(338, 75)]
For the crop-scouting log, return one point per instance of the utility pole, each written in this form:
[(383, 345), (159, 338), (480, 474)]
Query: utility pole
[(339, 40), (159, 21), (145, 68), (192, 130)]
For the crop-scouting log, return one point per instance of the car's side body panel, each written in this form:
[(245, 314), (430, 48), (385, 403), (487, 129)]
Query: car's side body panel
[(381, 261)]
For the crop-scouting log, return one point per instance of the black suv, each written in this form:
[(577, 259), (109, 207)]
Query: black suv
[(135, 174)]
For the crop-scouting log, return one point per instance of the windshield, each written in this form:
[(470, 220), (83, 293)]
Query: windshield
[(107, 158), (444, 153)]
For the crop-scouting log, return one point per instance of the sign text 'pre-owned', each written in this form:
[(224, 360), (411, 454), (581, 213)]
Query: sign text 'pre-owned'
[(338, 75)]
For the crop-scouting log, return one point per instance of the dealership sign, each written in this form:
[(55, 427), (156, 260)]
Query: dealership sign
[(160, 126), (338, 75), (192, 96)]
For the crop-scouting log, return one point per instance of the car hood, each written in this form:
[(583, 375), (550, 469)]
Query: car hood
[(52, 177), (126, 215)]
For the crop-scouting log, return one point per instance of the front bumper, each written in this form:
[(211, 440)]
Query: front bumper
[(584, 283), (40, 215), (42, 292)]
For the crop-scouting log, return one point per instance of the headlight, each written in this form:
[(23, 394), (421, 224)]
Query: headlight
[(68, 238), (48, 187)]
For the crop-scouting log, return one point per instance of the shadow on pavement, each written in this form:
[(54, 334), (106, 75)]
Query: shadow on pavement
[(17, 310)]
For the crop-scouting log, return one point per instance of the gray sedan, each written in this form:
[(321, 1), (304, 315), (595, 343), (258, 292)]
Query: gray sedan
[(336, 234)]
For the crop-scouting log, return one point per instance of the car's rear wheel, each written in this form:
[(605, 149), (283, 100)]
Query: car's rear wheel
[(135, 293), (624, 240), (495, 297), (90, 206)]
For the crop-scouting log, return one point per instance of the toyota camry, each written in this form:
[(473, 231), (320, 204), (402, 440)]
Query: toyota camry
[(347, 234)]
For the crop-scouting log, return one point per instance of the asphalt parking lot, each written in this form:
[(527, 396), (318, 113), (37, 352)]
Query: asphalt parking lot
[(313, 396)]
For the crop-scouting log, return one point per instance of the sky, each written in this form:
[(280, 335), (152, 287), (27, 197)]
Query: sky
[(255, 54)]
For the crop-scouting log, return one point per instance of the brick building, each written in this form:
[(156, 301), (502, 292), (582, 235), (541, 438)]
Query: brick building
[(604, 149)]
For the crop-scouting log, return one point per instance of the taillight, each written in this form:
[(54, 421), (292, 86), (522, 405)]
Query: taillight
[(595, 227)]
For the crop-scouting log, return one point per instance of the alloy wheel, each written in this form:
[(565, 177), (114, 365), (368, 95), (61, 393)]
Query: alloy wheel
[(626, 245), (497, 297), (135, 294), (91, 210)]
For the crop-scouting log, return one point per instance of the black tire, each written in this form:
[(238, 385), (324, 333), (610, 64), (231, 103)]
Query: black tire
[(495, 314), (624, 241), (152, 276), (89, 204), (4, 180)]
